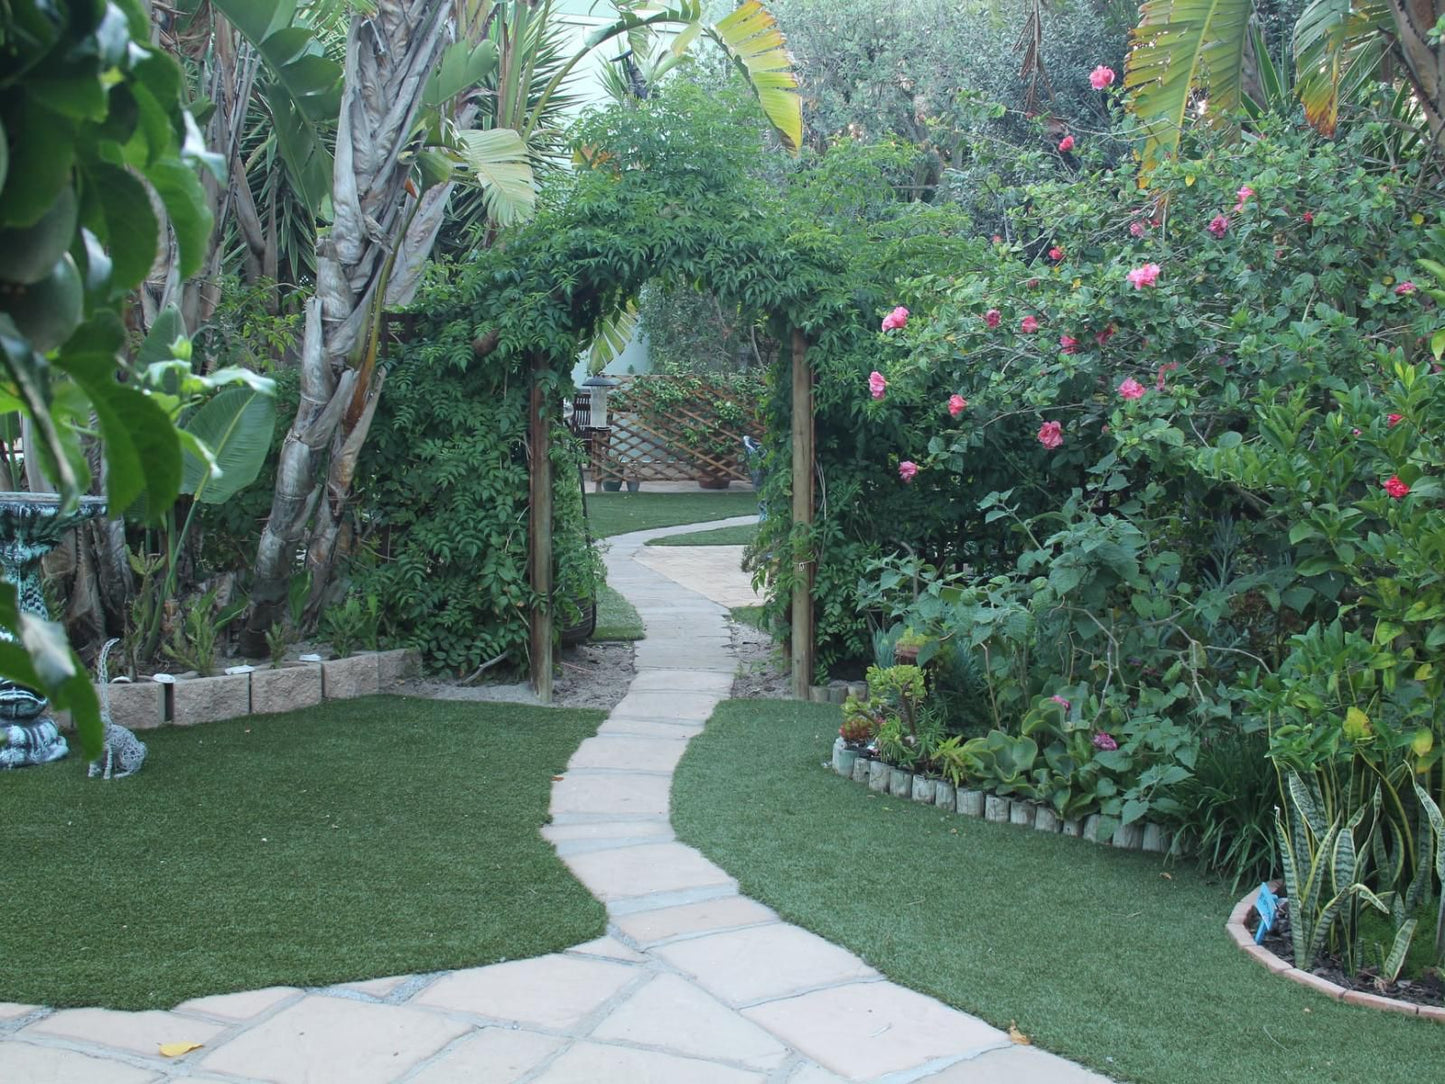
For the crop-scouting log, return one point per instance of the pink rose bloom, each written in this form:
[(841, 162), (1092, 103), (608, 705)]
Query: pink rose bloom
[(1136, 228), (1028, 325), (957, 404), (1308, 218), (992, 317), (1131, 389), (876, 384), (1056, 254), (1243, 194), (1103, 337), (1394, 419), (1101, 77), (1167, 367), (998, 238), (1105, 742), (1068, 344), (1219, 225), (1066, 144), (1405, 288), (895, 319), (1051, 435), (1144, 276), (1059, 700), (1355, 432), (907, 469), (1396, 488)]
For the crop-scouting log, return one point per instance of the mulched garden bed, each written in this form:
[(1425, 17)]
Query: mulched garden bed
[(1429, 989)]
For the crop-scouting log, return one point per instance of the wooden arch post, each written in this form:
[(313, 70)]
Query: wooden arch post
[(802, 557), (540, 530)]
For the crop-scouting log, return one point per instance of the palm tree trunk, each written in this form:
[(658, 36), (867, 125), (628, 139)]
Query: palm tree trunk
[(388, 59)]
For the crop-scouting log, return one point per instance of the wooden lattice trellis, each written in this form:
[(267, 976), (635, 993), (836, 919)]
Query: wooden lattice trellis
[(653, 440)]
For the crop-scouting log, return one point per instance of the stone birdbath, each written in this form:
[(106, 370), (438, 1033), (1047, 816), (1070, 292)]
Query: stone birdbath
[(31, 525)]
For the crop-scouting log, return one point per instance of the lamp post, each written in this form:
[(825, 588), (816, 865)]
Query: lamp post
[(597, 432)]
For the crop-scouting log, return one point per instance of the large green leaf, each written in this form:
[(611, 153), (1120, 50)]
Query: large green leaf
[(44, 660), (498, 157), (1338, 46), (236, 425), (751, 37), (1184, 52)]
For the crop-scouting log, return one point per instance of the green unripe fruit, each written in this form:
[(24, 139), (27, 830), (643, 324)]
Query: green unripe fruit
[(28, 253), (46, 312)]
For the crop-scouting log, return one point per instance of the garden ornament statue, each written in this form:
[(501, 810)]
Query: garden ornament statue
[(123, 753), (31, 525)]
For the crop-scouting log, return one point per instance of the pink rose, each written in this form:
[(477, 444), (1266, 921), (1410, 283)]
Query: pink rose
[(1101, 77), (1144, 276), (957, 404), (1066, 144), (992, 317), (1136, 228), (1405, 288), (1068, 344), (1393, 420), (1059, 700), (1028, 325), (1131, 389), (1396, 488), (907, 469), (877, 386), (1308, 218), (1243, 195), (1219, 225), (1051, 435), (1105, 742), (1056, 254), (895, 319)]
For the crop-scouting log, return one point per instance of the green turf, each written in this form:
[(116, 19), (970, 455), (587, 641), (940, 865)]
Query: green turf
[(1105, 957), (618, 513), (718, 536), (362, 838), (616, 619)]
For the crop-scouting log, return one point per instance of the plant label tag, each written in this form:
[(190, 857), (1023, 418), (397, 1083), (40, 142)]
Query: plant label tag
[(1268, 907)]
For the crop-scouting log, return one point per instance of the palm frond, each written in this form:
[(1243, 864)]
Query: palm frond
[(1181, 49), (752, 40), (1338, 46), (498, 158)]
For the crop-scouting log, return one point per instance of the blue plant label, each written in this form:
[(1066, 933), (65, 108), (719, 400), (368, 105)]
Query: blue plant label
[(1268, 907)]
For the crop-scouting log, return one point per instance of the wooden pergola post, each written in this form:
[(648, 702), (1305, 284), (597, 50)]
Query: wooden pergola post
[(803, 564), (540, 532)]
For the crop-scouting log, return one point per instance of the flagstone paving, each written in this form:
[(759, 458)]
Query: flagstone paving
[(693, 983)]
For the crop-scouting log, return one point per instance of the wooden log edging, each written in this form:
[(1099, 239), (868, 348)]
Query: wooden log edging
[(1237, 928)]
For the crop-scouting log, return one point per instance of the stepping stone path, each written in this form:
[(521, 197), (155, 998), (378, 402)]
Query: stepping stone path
[(692, 984)]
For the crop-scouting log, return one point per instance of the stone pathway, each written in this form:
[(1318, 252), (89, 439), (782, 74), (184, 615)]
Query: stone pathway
[(692, 984)]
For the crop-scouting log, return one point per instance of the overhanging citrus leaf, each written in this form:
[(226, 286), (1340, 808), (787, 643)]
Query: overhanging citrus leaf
[(1181, 48), (132, 233), (185, 202), (498, 157), (42, 659)]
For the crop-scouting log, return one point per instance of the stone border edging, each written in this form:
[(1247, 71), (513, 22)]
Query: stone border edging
[(1239, 933), (147, 704), (883, 778)]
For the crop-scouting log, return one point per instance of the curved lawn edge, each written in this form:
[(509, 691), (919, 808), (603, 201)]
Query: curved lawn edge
[(355, 840), (1109, 958)]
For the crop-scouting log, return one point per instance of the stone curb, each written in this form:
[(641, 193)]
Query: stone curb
[(925, 790), (1239, 933)]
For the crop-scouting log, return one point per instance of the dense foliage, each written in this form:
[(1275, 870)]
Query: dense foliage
[(1162, 476)]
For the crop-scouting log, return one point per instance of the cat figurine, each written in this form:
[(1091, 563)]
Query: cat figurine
[(123, 753)]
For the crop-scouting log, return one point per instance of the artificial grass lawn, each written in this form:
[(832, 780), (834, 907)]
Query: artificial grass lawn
[(358, 839), (718, 536), (1105, 957), (616, 618), (618, 513)]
